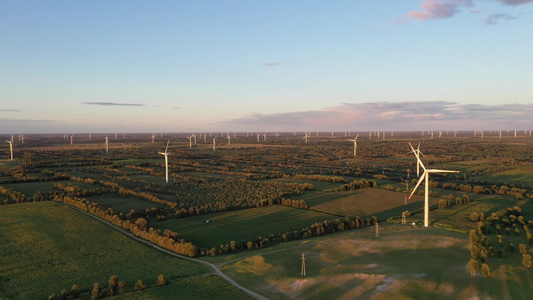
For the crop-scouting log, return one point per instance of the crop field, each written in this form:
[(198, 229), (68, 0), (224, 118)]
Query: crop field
[(365, 202), (49, 247), (516, 177), (122, 204), (404, 263), (242, 226)]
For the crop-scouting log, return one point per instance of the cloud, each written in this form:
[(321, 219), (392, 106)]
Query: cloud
[(273, 64), (438, 9), (9, 110), (493, 19), (409, 115), (515, 2), (112, 104)]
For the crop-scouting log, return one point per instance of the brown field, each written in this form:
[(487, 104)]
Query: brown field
[(366, 202)]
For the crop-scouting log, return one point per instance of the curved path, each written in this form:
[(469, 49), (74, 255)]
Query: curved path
[(148, 243)]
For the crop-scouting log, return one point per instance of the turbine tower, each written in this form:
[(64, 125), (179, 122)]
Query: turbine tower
[(305, 137), (10, 148), (229, 140), (106, 144), (303, 264), (190, 141), (425, 176), (214, 142), (354, 145), (166, 161)]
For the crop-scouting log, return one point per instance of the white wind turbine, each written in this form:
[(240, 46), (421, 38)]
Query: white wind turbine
[(166, 161), (190, 141), (306, 136), (354, 145), (258, 135), (264, 136), (153, 137), (10, 148), (106, 144), (229, 140), (417, 153), (214, 142), (71, 139), (425, 176)]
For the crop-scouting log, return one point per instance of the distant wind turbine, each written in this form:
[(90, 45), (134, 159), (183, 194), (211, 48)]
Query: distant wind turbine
[(166, 161), (354, 145), (305, 137), (425, 176), (71, 139), (10, 148), (229, 140), (190, 141), (106, 144), (214, 142)]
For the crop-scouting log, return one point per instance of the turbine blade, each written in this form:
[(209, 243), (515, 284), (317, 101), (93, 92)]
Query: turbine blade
[(442, 171), (420, 180)]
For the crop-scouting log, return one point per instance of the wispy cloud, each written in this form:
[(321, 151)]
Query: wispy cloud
[(395, 115), (273, 64), (438, 9), (9, 110), (26, 121), (112, 104), (515, 2), (493, 19)]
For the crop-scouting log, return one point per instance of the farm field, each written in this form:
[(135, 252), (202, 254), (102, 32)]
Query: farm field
[(242, 226), (122, 204), (517, 177), (48, 247)]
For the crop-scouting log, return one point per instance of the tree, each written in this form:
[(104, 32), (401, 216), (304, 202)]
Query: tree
[(485, 269), (95, 292), (161, 280), (121, 287), (522, 248), (473, 266), (75, 291), (474, 216), (139, 285), (526, 260)]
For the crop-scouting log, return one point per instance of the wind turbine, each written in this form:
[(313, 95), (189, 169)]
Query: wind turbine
[(417, 153), (305, 137), (106, 144), (71, 139), (258, 135), (264, 136), (22, 138), (166, 161), (214, 142), (229, 140), (153, 138), (10, 148), (425, 176), (354, 145), (190, 141)]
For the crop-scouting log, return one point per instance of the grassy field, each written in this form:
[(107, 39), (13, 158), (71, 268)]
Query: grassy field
[(514, 176), (366, 202), (48, 247), (205, 287), (243, 225), (404, 263), (122, 204)]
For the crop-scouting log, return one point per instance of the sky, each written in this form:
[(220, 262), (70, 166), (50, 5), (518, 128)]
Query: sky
[(105, 66)]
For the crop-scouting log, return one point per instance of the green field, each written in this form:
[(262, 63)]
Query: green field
[(243, 225), (122, 204), (404, 263), (205, 287), (48, 247), (514, 176)]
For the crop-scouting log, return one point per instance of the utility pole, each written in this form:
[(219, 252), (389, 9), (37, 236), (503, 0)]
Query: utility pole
[(377, 229), (303, 264)]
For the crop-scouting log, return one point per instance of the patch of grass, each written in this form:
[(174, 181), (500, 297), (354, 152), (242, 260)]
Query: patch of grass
[(513, 176), (30, 188), (241, 226), (205, 287), (49, 247)]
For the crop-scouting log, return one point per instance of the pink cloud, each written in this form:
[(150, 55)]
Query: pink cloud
[(438, 9)]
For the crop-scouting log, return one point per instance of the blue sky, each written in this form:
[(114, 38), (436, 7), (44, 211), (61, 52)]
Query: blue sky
[(198, 66)]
